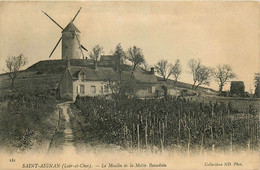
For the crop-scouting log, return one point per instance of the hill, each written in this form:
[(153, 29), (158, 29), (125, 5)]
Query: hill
[(186, 87), (46, 74)]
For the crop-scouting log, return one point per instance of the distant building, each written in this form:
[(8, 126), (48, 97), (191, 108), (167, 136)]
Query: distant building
[(107, 60), (145, 83), (93, 80), (237, 88)]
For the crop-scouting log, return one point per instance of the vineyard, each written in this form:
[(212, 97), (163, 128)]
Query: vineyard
[(27, 119), (168, 123)]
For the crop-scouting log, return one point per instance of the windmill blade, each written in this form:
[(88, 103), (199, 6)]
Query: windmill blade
[(55, 46), (79, 45), (83, 48), (76, 14), (52, 20)]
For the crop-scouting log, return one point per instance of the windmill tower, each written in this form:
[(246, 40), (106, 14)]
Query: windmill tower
[(71, 47)]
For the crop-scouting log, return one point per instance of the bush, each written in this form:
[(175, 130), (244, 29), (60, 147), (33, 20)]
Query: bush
[(237, 88)]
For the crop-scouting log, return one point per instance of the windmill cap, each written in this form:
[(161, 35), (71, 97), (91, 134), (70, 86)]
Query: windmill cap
[(71, 28)]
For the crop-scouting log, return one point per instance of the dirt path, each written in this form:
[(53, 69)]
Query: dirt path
[(63, 139), (68, 145)]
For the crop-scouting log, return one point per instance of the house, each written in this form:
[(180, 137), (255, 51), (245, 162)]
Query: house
[(84, 81), (145, 83), (94, 80), (107, 60)]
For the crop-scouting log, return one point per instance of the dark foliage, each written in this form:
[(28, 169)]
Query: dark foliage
[(237, 88), (175, 122), (25, 118)]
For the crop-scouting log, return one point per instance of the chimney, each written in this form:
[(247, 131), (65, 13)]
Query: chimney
[(152, 70), (95, 65)]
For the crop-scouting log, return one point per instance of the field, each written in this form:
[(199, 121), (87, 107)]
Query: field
[(158, 125)]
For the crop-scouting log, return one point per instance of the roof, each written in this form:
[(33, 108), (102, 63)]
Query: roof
[(140, 77), (106, 60), (71, 28), (81, 62), (237, 82), (106, 73), (106, 57), (145, 77), (99, 74)]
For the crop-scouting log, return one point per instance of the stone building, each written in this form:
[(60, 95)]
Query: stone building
[(94, 80), (70, 42)]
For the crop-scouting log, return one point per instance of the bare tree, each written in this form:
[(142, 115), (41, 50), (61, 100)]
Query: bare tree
[(14, 64), (161, 68), (120, 85), (119, 57), (194, 66), (145, 66), (96, 52), (201, 74), (176, 70), (165, 69), (222, 74), (135, 56), (204, 75)]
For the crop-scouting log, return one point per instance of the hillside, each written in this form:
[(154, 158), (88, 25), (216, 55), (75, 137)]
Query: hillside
[(186, 87), (46, 74)]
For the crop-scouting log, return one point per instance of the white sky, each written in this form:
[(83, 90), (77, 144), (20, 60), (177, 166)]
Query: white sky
[(216, 32)]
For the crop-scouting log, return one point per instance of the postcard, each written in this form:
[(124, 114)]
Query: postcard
[(129, 85)]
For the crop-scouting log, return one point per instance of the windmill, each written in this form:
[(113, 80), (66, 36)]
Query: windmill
[(71, 47)]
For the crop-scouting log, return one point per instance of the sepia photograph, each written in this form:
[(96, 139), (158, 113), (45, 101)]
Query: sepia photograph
[(129, 85)]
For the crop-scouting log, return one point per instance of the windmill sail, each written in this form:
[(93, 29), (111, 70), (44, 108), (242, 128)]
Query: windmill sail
[(76, 14), (55, 47), (52, 20), (69, 46), (83, 48)]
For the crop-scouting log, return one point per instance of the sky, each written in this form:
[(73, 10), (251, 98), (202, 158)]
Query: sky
[(215, 32)]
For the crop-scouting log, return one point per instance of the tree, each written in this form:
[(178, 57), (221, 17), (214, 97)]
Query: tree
[(121, 86), (161, 68), (176, 70), (257, 85), (222, 74), (119, 57), (145, 66), (165, 69), (237, 88), (201, 74), (14, 64), (135, 56), (96, 52), (194, 66)]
